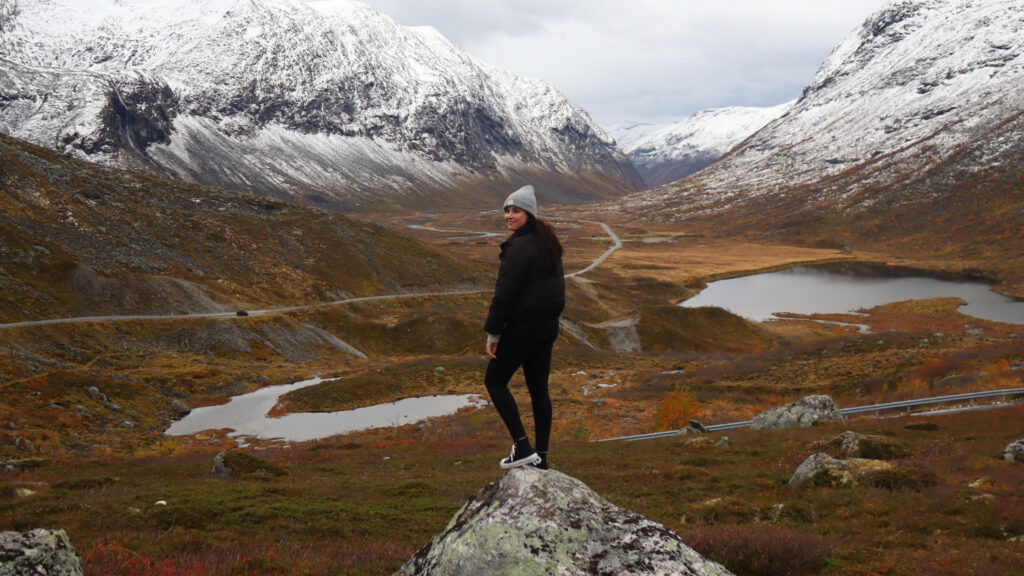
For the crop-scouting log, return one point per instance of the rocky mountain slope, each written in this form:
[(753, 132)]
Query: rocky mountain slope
[(330, 102), (910, 135), (80, 239), (666, 153)]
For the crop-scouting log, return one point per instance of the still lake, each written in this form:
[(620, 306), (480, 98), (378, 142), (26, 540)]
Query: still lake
[(847, 287), (247, 416)]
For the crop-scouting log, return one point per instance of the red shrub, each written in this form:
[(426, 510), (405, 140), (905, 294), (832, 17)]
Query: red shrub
[(762, 550)]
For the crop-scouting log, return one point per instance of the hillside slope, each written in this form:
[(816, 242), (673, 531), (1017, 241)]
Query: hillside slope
[(79, 239), (328, 102), (910, 139)]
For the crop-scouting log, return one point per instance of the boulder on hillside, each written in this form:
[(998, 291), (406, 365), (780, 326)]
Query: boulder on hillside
[(1014, 451), (179, 408), (236, 464), (21, 464), (545, 522), (824, 470), (850, 444), (38, 551), (804, 412)]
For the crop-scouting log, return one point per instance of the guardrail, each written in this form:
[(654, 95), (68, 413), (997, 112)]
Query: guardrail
[(852, 410)]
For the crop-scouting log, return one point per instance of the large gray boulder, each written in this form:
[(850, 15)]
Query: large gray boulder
[(824, 470), (804, 412), (38, 552), (544, 522), (1014, 451)]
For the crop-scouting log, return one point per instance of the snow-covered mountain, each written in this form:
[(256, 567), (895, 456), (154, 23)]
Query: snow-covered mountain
[(666, 153), (329, 101), (922, 89)]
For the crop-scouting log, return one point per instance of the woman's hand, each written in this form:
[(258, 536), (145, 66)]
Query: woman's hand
[(492, 350)]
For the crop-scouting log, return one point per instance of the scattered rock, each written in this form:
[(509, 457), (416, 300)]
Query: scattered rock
[(80, 447), (38, 552), (179, 408), (220, 467), (981, 483), (1014, 451), (823, 470), (850, 444), (701, 441), (800, 414), (95, 394), (235, 464), (127, 424), (533, 522), (21, 464)]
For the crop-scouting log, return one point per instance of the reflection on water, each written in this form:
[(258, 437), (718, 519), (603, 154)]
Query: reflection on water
[(247, 415), (845, 288)]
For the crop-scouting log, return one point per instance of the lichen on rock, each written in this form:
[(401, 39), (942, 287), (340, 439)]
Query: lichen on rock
[(38, 551), (534, 522), (1014, 451), (803, 413)]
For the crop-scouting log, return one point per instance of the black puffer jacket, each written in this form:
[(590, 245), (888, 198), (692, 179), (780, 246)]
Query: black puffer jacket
[(528, 286)]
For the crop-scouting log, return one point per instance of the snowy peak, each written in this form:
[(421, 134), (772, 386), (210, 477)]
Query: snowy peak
[(921, 85), (666, 153), (331, 102)]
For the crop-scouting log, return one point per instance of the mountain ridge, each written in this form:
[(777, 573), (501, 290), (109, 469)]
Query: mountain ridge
[(82, 239), (331, 103), (668, 152)]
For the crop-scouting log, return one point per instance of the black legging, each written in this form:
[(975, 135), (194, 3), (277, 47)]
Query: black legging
[(526, 344)]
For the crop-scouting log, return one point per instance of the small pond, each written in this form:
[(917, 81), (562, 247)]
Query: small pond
[(247, 416), (847, 287)]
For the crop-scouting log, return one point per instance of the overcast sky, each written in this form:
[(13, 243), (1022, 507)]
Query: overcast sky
[(648, 60)]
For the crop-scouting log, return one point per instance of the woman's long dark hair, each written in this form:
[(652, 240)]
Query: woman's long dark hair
[(550, 247)]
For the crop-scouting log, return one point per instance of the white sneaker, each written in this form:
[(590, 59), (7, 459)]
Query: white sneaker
[(516, 460)]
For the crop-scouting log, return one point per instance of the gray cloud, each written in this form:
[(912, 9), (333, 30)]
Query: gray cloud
[(648, 60)]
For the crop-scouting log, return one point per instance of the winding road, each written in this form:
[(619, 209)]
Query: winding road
[(616, 244)]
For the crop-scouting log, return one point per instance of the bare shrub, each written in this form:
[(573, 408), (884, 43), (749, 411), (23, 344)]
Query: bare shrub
[(675, 409), (761, 550), (903, 478)]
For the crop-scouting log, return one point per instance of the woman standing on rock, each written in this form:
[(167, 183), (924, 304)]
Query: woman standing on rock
[(522, 324)]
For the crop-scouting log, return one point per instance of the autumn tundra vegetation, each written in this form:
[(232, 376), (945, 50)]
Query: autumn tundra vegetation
[(85, 405)]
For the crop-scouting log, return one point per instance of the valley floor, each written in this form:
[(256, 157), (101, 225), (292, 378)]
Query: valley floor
[(87, 405)]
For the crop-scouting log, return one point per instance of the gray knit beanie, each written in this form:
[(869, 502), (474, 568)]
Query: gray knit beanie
[(524, 199)]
